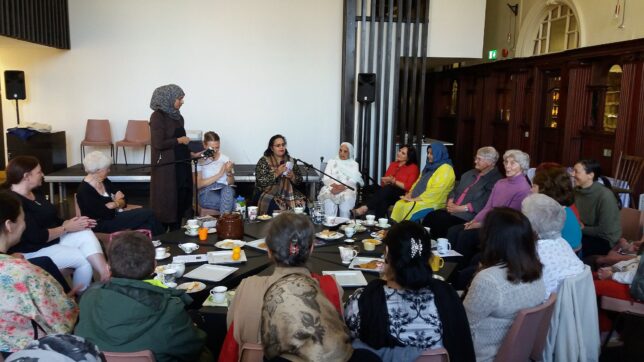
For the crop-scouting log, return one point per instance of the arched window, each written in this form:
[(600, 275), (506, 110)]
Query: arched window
[(558, 31), (611, 104)]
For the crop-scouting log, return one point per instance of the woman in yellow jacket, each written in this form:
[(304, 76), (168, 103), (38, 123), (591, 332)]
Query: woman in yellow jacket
[(430, 191)]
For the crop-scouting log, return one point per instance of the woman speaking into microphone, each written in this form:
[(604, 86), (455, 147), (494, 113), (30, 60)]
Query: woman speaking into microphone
[(276, 174)]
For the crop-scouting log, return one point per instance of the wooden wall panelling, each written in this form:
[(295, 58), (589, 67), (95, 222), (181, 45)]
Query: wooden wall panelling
[(533, 111), (627, 99), (577, 115), (636, 140)]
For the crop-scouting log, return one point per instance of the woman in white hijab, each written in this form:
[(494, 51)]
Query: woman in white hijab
[(335, 195)]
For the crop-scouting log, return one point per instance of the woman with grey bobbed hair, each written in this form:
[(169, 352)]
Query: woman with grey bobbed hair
[(547, 218), (99, 199), (507, 192)]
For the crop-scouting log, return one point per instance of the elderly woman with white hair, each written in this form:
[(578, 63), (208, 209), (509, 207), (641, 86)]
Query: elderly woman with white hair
[(101, 200), (507, 192), (469, 196), (547, 218), (335, 195)]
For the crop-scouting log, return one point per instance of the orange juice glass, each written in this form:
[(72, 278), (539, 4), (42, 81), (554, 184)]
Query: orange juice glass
[(203, 234)]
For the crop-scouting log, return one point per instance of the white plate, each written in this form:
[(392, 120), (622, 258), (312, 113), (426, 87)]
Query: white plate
[(196, 287), (225, 257), (376, 236), (192, 258), (257, 244), (357, 227), (363, 260), (349, 241), (229, 244), (333, 236), (156, 243), (167, 255), (347, 278), (264, 217), (336, 221), (211, 272)]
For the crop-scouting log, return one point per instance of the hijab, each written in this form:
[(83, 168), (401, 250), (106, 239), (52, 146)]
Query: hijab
[(441, 157), (349, 167), (163, 100)]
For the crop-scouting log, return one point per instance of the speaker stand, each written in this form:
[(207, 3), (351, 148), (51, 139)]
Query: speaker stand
[(17, 112)]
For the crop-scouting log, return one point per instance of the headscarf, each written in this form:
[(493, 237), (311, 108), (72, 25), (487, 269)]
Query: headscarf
[(349, 167), (163, 100), (441, 157)]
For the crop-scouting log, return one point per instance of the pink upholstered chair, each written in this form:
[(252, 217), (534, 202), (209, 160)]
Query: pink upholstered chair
[(434, 355), (139, 356), (519, 342), (251, 352)]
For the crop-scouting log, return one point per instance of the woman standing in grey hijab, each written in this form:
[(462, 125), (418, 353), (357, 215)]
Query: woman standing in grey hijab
[(171, 184)]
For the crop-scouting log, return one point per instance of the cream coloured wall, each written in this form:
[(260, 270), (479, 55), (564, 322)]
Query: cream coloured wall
[(250, 69), (598, 24)]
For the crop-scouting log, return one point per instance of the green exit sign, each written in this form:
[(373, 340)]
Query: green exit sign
[(491, 55)]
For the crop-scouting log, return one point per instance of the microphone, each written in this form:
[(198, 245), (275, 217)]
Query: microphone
[(208, 153)]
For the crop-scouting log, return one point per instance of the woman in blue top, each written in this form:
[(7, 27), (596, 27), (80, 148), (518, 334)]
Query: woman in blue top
[(551, 179)]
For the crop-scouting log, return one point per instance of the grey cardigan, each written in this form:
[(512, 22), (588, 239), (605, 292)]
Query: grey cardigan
[(478, 193)]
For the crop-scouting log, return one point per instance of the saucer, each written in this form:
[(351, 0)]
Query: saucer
[(349, 241), (187, 233), (367, 223), (167, 255), (171, 285), (383, 226)]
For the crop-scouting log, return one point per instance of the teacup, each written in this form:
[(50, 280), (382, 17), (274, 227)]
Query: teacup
[(369, 246), (168, 275), (159, 252), (192, 230), (188, 247), (192, 222), (349, 231), (436, 262), (218, 293), (298, 210), (347, 254), (180, 268), (329, 220), (443, 246), (383, 222), (252, 213), (371, 219)]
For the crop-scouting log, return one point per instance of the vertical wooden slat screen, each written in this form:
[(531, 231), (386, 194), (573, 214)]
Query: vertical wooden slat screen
[(43, 22), (389, 38)]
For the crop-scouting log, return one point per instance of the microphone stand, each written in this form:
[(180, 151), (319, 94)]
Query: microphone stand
[(308, 165)]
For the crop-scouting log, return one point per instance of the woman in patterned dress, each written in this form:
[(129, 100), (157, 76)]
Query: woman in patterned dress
[(419, 311), (33, 304)]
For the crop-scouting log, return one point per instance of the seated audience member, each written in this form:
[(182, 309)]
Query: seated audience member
[(554, 181), (334, 195), (469, 196), (290, 243), (215, 177), (59, 348), (598, 209), (276, 175), (127, 314), (408, 307), (559, 260), (509, 280), (430, 191), (507, 192), (99, 199), (33, 304), (396, 182), (69, 243)]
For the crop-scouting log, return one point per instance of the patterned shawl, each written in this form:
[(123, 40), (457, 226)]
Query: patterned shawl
[(441, 157), (282, 191), (163, 100), (300, 324)]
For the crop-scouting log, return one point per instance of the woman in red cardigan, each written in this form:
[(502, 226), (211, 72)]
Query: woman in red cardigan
[(398, 179)]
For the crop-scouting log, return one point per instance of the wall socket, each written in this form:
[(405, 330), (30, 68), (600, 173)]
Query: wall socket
[(608, 152)]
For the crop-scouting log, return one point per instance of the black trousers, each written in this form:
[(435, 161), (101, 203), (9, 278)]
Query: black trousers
[(439, 221), (384, 197), (141, 218), (593, 245)]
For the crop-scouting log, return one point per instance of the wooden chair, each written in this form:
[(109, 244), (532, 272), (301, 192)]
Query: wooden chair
[(620, 306), (251, 352), (97, 134), (139, 356), (522, 337), (629, 169), (137, 134), (434, 355)]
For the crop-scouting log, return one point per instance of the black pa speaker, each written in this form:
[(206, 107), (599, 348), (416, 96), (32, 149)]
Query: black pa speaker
[(366, 87), (14, 84)]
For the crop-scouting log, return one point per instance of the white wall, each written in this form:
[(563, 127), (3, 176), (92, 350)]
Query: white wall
[(456, 28), (250, 69)]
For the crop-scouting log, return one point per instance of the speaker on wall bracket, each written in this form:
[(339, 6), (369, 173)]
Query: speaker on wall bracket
[(14, 87), (366, 87)]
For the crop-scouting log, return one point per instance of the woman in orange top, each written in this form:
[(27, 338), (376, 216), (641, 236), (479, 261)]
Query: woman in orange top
[(400, 176)]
